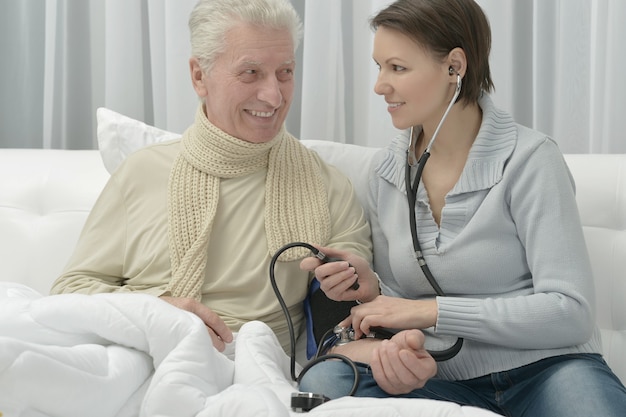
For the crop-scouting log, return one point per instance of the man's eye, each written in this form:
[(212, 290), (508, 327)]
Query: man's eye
[(249, 75), (285, 74)]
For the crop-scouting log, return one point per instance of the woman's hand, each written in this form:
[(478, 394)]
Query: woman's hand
[(337, 278), (393, 313), (401, 364), (220, 333)]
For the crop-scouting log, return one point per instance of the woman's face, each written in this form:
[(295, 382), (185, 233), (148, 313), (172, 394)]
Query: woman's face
[(415, 86)]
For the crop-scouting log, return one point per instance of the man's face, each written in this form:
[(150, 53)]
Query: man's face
[(249, 89)]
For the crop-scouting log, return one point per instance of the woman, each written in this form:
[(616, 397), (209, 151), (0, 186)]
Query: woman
[(499, 231)]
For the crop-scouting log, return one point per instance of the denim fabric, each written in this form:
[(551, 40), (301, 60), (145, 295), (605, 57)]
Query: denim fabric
[(568, 385)]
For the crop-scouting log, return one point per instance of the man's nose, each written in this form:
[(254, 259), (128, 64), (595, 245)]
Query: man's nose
[(270, 92)]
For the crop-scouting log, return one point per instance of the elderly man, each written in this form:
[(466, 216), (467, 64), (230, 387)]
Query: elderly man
[(196, 221)]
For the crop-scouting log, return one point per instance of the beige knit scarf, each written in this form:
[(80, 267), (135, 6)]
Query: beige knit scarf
[(296, 206)]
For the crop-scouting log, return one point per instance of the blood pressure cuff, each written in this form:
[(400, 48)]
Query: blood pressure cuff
[(322, 314)]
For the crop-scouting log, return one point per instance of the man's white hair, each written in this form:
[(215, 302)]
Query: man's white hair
[(211, 19)]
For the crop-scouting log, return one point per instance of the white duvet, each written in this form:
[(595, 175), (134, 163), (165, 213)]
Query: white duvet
[(134, 355)]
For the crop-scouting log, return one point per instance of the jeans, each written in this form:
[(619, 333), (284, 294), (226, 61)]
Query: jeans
[(568, 385)]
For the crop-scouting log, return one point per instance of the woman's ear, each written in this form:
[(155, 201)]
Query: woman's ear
[(197, 77), (457, 61)]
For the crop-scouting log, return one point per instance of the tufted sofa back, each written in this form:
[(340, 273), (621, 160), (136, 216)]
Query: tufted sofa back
[(46, 195), (601, 197)]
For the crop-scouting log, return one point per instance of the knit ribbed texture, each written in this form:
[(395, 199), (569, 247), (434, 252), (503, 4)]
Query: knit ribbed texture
[(296, 204), (497, 226)]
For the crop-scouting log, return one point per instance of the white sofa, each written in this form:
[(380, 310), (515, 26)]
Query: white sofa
[(45, 196)]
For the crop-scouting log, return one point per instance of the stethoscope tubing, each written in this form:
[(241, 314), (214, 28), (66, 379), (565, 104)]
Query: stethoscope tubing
[(411, 190), (411, 193)]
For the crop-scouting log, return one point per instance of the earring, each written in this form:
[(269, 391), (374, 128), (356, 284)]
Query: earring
[(451, 71)]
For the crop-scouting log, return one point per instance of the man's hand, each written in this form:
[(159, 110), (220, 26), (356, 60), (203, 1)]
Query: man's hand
[(220, 333), (336, 278), (402, 364)]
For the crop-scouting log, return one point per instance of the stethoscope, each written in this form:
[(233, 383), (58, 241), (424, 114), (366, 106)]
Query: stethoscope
[(411, 193), (411, 188)]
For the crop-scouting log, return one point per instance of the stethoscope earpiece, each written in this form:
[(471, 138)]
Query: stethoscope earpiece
[(459, 80)]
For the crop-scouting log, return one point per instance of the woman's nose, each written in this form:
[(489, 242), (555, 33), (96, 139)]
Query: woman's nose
[(381, 87)]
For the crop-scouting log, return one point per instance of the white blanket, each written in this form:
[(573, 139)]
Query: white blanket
[(135, 355)]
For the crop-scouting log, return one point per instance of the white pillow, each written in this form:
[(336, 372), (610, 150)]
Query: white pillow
[(119, 136)]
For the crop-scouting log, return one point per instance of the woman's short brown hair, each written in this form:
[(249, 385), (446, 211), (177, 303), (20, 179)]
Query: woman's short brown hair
[(442, 25)]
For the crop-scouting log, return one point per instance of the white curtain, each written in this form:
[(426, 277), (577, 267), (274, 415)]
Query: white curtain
[(62, 59), (557, 66), (339, 48)]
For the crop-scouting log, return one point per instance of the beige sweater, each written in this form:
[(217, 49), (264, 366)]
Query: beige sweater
[(124, 244)]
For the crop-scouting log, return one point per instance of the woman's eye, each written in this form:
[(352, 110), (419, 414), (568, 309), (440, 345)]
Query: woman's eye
[(398, 68)]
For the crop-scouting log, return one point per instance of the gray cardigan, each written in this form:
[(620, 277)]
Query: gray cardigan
[(509, 253)]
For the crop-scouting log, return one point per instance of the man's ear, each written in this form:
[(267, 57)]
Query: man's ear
[(197, 77), (458, 61)]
